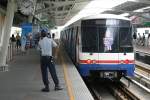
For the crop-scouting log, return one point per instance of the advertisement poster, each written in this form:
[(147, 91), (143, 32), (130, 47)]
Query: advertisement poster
[(26, 29)]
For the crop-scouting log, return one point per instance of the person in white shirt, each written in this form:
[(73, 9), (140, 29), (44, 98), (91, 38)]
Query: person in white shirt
[(46, 44)]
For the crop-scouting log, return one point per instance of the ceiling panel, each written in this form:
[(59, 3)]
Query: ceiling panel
[(64, 9)]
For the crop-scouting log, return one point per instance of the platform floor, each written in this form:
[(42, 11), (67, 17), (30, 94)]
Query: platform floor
[(145, 50), (23, 80)]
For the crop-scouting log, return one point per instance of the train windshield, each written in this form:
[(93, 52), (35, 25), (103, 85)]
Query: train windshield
[(90, 39), (109, 35), (108, 41)]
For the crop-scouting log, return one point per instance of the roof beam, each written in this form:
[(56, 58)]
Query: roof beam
[(66, 2), (58, 4), (143, 1)]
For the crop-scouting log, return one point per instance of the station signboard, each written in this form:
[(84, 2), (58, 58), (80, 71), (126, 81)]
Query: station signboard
[(146, 24), (26, 29)]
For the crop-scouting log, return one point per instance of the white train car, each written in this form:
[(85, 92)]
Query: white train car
[(101, 45)]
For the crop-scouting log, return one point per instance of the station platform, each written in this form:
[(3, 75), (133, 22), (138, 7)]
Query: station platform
[(23, 80), (142, 49)]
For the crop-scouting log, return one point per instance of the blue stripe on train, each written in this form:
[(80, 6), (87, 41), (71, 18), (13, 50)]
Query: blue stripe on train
[(84, 69)]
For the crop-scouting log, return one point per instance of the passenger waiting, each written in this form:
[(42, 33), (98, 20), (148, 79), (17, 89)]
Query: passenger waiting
[(139, 42), (18, 41), (13, 40), (13, 43), (134, 37), (143, 40), (23, 44)]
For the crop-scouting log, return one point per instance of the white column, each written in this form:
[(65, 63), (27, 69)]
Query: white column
[(1, 28), (11, 6)]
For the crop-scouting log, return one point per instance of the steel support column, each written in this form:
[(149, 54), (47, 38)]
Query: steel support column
[(11, 7)]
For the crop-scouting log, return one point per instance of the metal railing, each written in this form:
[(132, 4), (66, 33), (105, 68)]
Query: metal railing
[(9, 53), (12, 51)]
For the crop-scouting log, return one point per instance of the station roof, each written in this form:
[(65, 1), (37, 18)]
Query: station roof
[(58, 12), (61, 10)]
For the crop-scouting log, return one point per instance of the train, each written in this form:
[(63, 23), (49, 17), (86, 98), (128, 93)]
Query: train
[(101, 45)]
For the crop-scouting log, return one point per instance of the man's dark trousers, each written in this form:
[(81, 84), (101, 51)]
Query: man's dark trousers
[(47, 63)]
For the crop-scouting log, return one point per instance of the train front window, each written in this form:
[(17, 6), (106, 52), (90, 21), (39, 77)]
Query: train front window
[(89, 39), (125, 38), (108, 41), (106, 35)]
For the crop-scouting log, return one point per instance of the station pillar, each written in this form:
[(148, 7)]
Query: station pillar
[(11, 7), (2, 18)]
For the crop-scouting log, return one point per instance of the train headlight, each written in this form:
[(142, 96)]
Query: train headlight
[(94, 61), (89, 61), (121, 61), (126, 61)]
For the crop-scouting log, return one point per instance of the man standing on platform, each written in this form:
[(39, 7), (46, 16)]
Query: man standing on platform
[(46, 44)]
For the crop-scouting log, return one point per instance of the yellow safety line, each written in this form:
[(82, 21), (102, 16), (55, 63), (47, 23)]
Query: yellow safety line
[(67, 80)]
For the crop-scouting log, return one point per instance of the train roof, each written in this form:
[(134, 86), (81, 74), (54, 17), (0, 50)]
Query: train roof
[(99, 16), (105, 16)]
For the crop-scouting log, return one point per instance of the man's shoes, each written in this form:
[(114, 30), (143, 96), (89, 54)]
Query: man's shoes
[(58, 88), (45, 89)]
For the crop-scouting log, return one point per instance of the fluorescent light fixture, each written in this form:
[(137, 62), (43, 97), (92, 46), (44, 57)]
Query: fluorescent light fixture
[(96, 7)]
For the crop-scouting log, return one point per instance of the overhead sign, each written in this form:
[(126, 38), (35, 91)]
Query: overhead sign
[(146, 23), (26, 28)]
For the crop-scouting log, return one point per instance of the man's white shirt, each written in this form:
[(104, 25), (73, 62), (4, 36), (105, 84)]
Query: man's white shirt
[(46, 44)]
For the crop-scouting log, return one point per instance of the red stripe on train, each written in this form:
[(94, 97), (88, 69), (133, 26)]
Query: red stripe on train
[(107, 61)]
